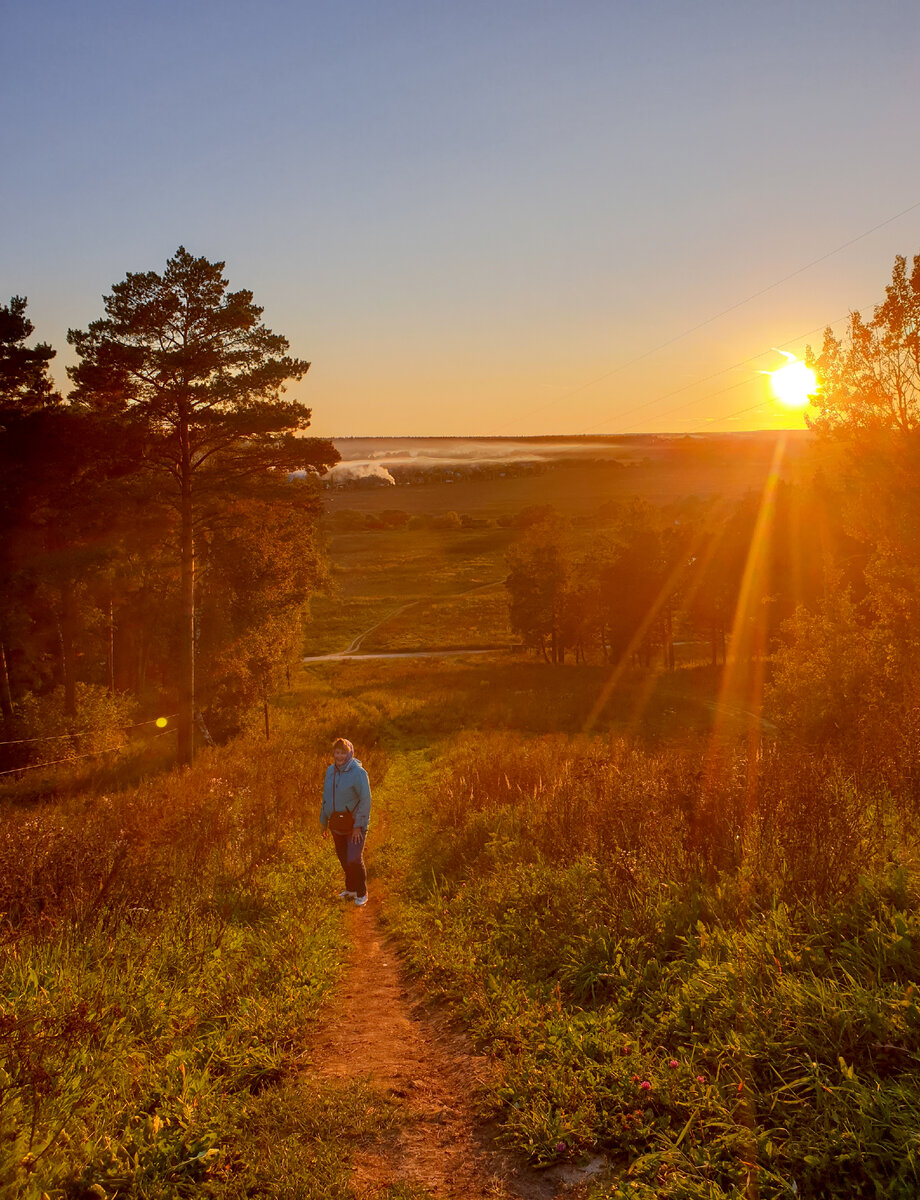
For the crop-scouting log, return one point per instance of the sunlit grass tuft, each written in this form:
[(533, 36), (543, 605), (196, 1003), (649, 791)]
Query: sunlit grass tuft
[(713, 987), (165, 951)]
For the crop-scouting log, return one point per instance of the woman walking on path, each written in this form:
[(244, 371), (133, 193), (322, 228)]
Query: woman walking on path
[(345, 813)]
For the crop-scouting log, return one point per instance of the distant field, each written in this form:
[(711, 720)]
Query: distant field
[(579, 488), (451, 578)]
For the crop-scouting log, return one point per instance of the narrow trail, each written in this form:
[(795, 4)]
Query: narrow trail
[(383, 1036), (355, 644)]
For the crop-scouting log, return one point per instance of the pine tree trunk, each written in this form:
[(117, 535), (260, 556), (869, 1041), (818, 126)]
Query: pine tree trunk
[(6, 694), (186, 725), (68, 667)]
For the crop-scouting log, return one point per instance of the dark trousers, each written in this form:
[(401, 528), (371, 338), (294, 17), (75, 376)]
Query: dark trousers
[(351, 856)]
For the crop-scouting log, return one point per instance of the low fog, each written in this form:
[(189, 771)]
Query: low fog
[(394, 462), (367, 462), (441, 452)]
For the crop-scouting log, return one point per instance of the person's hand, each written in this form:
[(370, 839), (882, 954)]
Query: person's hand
[(357, 835), (325, 833)]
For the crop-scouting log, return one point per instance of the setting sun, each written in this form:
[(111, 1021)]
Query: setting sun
[(794, 384)]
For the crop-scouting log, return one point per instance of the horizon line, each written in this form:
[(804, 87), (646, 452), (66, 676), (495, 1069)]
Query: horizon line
[(533, 437)]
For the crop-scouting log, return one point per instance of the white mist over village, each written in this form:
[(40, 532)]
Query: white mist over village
[(394, 462)]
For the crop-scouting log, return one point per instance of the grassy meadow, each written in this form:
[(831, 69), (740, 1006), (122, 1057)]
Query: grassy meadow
[(684, 946), (432, 589), (165, 951)]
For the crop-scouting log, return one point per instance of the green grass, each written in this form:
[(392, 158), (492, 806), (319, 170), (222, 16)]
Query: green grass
[(439, 573), (295, 1141), (592, 947), (594, 908), (474, 619), (166, 951)]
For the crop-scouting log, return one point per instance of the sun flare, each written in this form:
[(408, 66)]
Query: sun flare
[(793, 384)]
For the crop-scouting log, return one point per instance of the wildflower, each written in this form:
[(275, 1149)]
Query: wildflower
[(740, 1085), (645, 1085), (635, 1078), (560, 1146), (701, 1079), (673, 1064)]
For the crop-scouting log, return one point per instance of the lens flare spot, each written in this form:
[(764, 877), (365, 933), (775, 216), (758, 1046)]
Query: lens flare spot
[(162, 722), (793, 384)]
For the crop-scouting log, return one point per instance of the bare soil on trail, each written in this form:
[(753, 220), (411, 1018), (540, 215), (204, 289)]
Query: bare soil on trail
[(383, 1035)]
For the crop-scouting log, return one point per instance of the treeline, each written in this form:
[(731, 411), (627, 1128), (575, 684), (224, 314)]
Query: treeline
[(821, 578), (651, 576), (349, 520), (157, 556)]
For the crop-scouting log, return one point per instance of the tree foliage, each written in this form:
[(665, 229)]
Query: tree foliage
[(25, 384), (165, 479), (870, 378), (539, 582), (852, 658), (190, 366), (192, 363)]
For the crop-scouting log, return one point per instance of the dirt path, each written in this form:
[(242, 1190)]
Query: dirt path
[(439, 1147), (396, 612)]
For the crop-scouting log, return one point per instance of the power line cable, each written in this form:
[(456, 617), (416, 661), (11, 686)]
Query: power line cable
[(715, 375), (57, 737), (75, 757), (731, 308)]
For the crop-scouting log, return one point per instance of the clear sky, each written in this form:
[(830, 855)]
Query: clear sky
[(475, 216)]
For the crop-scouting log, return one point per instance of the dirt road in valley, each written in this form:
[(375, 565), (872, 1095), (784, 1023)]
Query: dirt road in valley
[(352, 650), (413, 1056)]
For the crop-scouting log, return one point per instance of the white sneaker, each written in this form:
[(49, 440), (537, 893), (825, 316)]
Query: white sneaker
[(360, 900), (347, 895)]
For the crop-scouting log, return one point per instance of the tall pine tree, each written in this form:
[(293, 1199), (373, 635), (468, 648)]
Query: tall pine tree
[(189, 363)]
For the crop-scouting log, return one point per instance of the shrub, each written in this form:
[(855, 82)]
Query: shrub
[(101, 723), (828, 674), (394, 518), (448, 520), (347, 520)]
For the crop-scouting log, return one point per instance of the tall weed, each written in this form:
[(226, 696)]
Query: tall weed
[(162, 951), (702, 964)]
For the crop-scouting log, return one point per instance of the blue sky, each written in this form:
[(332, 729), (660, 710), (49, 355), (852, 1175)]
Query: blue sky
[(471, 216)]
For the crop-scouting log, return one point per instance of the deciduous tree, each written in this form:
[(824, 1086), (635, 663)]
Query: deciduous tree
[(870, 378), (868, 409)]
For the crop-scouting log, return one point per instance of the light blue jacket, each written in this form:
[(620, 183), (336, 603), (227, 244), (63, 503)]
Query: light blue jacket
[(347, 788)]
